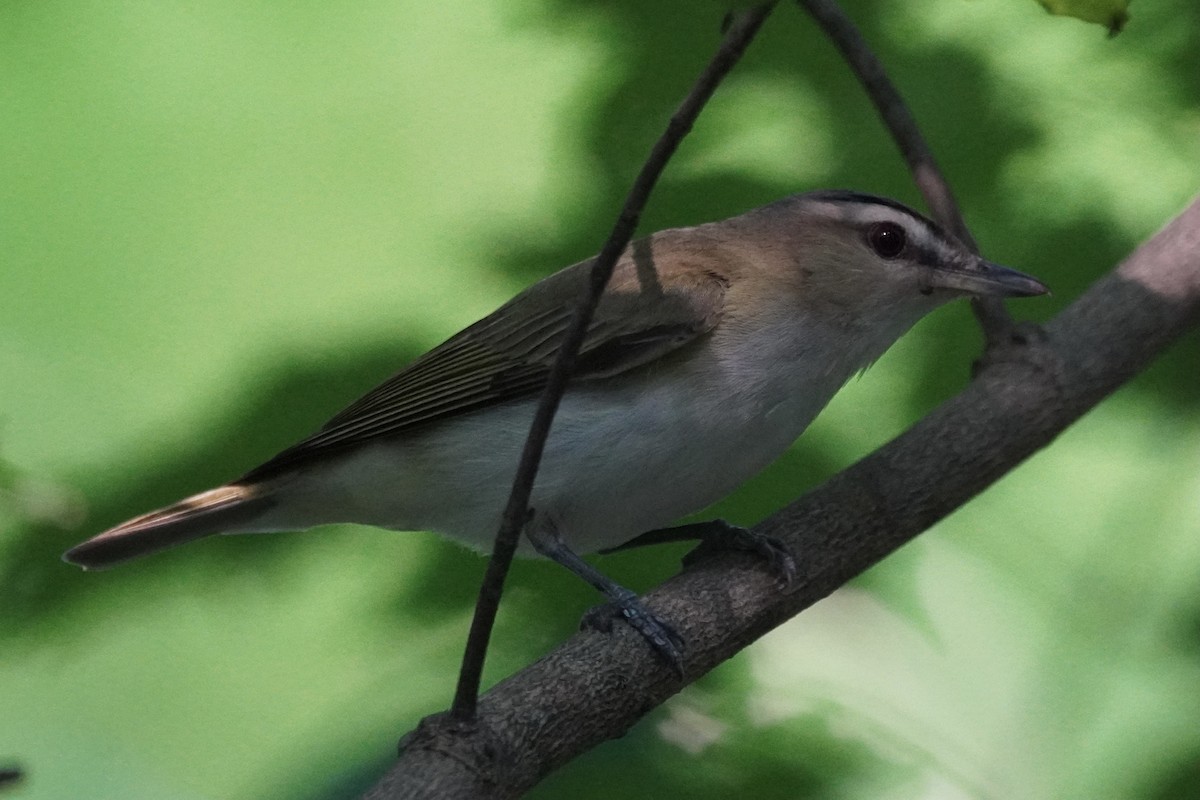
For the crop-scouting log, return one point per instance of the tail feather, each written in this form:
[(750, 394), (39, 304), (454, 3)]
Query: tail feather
[(215, 511)]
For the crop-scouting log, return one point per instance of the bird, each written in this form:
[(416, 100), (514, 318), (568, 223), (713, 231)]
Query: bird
[(711, 350)]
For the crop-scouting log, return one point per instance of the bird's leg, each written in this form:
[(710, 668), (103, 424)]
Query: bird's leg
[(623, 603), (717, 535)]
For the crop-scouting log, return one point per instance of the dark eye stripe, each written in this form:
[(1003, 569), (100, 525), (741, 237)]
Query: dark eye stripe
[(927, 256)]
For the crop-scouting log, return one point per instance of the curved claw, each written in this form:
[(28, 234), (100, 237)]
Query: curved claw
[(661, 637), (726, 536), (546, 539)]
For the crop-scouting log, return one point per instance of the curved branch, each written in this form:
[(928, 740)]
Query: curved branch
[(596, 686), (990, 311), (740, 31)]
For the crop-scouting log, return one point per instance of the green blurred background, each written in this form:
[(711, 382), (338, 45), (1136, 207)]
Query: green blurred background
[(221, 222)]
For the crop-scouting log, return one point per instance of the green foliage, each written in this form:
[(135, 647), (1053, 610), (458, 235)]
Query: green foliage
[(219, 223)]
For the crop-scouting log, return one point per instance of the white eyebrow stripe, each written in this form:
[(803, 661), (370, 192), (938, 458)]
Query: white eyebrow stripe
[(866, 208)]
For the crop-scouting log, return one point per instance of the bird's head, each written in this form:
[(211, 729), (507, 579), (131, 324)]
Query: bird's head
[(855, 258)]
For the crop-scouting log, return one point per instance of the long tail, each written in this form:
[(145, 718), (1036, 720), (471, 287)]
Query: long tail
[(215, 511)]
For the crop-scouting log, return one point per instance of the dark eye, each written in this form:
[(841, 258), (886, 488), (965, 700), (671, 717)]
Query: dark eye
[(887, 239)]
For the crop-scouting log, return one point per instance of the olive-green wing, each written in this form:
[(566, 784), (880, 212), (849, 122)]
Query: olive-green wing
[(508, 355)]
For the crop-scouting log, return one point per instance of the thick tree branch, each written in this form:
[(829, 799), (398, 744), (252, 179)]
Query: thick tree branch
[(990, 311), (595, 686)]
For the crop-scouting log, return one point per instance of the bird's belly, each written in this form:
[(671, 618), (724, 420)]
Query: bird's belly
[(617, 463), (609, 480)]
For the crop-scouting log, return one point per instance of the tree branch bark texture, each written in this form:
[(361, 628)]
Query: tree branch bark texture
[(1026, 391)]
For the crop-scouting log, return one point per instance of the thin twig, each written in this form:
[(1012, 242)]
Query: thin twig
[(740, 33), (992, 315)]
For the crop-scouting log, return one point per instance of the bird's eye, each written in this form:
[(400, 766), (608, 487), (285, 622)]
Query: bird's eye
[(887, 239)]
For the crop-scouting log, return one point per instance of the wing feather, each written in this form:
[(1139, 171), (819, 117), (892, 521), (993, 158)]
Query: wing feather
[(508, 354)]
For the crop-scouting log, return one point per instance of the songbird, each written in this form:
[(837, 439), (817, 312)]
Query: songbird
[(711, 350)]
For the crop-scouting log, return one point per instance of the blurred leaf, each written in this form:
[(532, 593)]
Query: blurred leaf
[(1112, 14)]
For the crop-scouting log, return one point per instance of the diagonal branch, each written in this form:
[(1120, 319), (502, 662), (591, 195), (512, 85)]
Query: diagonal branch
[(595, 686), (990, 311), (1032, 384), (738, 35)]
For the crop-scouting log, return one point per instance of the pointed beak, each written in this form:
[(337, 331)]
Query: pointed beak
[(981, 277)]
